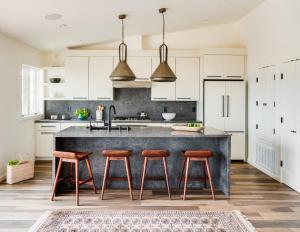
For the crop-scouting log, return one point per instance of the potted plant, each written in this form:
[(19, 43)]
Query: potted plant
[(82, 113), (19, 170)]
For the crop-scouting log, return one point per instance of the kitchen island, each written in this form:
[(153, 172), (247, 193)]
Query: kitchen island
[(141, 137)]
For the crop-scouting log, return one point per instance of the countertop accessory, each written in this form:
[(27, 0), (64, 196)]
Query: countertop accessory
[(65, 117), (163, 73), (193, 127), (55, 79), (99, 113), (82, 113), (122, 72), (168, 116), (53, 116), (142, 115)]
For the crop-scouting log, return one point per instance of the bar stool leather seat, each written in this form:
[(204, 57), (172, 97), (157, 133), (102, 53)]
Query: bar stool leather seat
[(155, 153), (71, 155), (199, 153), (116, 153)]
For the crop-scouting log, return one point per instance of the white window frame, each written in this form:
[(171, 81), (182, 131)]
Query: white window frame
[(31, 91)]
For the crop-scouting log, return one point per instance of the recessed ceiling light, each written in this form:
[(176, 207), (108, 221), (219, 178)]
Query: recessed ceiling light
[(53, 16)]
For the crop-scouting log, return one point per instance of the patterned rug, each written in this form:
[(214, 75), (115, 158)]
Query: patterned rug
[(135, 220)]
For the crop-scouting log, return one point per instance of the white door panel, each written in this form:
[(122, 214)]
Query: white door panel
[(235, 106), (100, 85), (290, 105), (163, 91), (214, 103), (238, 146), (77, 71)]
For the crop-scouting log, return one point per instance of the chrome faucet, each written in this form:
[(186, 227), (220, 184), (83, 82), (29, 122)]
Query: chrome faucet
[(109, 115)]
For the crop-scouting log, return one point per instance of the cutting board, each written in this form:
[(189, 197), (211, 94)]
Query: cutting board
[(186, 128)]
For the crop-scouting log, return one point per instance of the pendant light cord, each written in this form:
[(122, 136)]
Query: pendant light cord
[(122, 31), (163, 28)]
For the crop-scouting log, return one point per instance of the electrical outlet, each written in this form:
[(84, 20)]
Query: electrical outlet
[(194, 109), (69, 109)]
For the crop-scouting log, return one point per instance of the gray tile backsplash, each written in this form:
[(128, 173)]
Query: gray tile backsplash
[(128, 102)]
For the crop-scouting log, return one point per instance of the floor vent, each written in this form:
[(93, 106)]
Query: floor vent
[(267, 158)]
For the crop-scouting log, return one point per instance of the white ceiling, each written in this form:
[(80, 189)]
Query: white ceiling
[(91, 21)]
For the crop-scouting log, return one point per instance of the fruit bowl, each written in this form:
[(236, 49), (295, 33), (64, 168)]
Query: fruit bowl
[(168, 116)]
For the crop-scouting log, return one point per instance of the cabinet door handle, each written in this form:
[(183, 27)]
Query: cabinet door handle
[(48, 126), (223, 106), (293, 131), (184, 98), (48, 133), (231, 76), (80, 98), (227, 106), (104, 98), (214, 76), (161, 98)]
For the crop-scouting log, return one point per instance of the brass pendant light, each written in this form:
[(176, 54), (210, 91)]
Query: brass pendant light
[(122, 72), (163, 73)]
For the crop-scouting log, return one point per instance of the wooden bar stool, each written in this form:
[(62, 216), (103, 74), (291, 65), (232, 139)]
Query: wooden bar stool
[(155, 155), (73, 158), (117, 155), (196, 155)]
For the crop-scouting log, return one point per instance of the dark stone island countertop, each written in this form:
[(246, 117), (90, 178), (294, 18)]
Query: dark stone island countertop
[(139, 131)]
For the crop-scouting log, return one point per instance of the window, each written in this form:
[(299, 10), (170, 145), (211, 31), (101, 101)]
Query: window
[(32, 101)]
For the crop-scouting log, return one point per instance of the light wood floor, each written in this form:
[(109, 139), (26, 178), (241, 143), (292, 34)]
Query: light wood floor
[(269, 205)]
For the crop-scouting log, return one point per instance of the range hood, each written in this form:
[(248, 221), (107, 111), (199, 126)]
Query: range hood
[(138, 83)]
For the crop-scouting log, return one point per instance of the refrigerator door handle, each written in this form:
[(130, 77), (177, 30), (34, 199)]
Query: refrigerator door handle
[(223, 106), (227, 106)]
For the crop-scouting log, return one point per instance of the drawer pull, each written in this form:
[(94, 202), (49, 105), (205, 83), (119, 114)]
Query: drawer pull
[(214, 76), (80, 98), (104, 98), (234, 76), (48, 133), (161, 98), (48, 126), (184, 98)]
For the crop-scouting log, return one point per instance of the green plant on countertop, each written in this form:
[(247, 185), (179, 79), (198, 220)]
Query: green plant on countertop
[(82, 113), (194, 124), (13, 162)]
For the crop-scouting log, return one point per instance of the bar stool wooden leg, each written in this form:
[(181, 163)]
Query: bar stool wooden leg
[(143, 177), (209, 178), (107, 179), (77, 181), (91, 174), (56, 178), (105, 176), (128, 177), (71, 172), (204, 174), (186, 177), (182, 172), (167, 176)]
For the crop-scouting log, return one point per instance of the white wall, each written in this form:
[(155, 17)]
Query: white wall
[(16, 135), (271, 34)]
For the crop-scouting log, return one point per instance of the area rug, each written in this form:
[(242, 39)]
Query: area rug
[(136, 220)]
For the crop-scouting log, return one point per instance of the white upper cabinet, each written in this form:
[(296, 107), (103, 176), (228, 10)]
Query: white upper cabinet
[(100, 85), (140, 65), (77, 74), (187, 83), (223, 66), (163, 91), (213, 66)]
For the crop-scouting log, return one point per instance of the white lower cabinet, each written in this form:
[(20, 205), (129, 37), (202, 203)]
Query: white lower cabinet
[(44, 144), (238, 146)]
